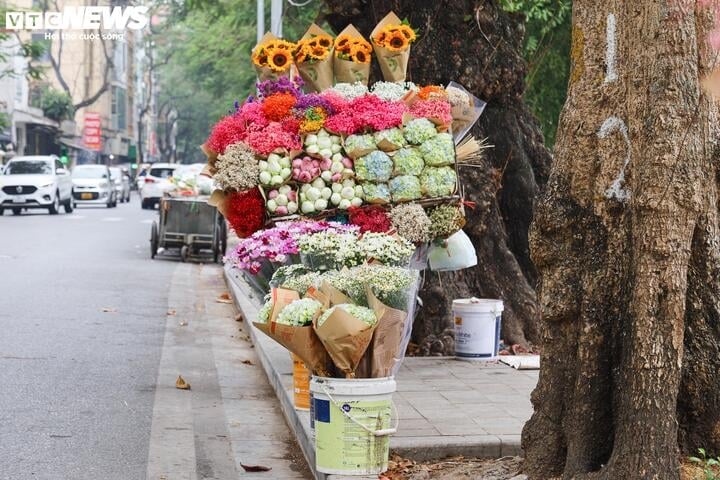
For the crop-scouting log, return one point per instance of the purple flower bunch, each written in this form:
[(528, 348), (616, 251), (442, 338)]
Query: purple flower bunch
[(314, 100), (277, 244), (281, 85)]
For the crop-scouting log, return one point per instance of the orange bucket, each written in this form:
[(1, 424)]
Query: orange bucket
[(301, 384)]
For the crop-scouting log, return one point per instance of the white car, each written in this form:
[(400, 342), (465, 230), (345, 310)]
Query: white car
[(122, 184), (35, 182), (156, 183), (93, 186)]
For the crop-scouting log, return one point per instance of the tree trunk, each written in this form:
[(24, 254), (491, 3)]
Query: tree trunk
[(478, 45), (625, 240)]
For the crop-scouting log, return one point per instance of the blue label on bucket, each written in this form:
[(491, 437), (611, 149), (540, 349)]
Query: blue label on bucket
[(322, 410)]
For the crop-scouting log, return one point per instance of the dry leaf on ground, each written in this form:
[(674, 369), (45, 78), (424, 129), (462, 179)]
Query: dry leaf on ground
[(255, 468), (171, 312), (109, 310), (248, 362), (181, 384), (239, 317), (183, 323), (224, 298)]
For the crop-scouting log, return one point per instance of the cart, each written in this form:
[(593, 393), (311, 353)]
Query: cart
[(190, 225)]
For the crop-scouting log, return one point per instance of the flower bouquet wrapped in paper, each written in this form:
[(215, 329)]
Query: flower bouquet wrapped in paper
[(391, 40), (287, 319), (346, 329), (351, 61), (313, 59), (466, 109), (272, 57)]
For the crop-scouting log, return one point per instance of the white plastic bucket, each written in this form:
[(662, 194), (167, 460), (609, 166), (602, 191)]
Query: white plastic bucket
[(352, 424), (477, 328)]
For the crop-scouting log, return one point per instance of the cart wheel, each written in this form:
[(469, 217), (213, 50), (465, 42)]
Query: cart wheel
[(184, 251), (223, 236), (153, 239)]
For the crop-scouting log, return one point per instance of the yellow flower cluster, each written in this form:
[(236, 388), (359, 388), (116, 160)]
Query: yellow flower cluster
[(396, 38), (314, 49), (275, 54), (355, 49)]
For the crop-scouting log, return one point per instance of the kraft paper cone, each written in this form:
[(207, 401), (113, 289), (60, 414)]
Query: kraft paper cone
[(211, 156), (347, 71), (393, 64), (345, 338), (266, 73), (387, 338), (302, 341), (318, 76)]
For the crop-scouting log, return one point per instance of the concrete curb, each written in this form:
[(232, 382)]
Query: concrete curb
[(276, 362)]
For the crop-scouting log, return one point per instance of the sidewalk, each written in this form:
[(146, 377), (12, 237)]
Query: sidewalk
[(446, 407), (229, 418)]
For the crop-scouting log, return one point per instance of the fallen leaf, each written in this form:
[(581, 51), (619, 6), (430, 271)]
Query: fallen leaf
[(239, 317), (224, 298), (255, 468), (183, 323), (181, 384), (248, 362), (109, 310), (171, 312)]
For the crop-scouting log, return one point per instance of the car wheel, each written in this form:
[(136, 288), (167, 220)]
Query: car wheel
[(55, 207), (69, 205), (154, 241), (2, 212), (17, 211)]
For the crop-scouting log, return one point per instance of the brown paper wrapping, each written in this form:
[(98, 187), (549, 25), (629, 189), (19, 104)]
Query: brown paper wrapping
[(266, 73), (387, 339), (393, 64), (318, 76), (345, 337), (211, 156), (302, 341), (217, 200), (347, 71)]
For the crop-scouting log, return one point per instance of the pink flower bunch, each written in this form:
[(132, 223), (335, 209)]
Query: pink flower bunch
[(278, 243), (433, 109), (265, 140), (367, 113), (228, 130)]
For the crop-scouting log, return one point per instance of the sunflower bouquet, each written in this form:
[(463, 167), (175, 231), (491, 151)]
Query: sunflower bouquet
[(351, 61), (391, 41), (313, 60), (272, 57)]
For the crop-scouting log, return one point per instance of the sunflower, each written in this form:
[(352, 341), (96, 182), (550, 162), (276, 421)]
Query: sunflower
[(319, 53), (279, 59), (359, 43), (379, 39), (259, 57), (324, 41), (397, 42), (358, 54), (342, 43), (408, 32)]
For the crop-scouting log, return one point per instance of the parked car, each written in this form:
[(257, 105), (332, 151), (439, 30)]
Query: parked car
[(36, 182), (93, 186), (122, 184), (140, 177), (156, 183)]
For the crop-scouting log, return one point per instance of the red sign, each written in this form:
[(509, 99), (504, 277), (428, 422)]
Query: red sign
[(92, 137)]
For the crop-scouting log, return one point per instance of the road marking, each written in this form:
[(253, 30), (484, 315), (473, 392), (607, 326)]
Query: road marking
[(113, 219), (73, 217)]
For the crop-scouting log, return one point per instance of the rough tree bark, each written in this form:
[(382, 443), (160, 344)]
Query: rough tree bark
[(478, 45), (626, 243)]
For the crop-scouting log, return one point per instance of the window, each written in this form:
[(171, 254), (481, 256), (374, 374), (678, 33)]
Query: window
[(120, 60), (119, 109), (40, 39), (58, 165)]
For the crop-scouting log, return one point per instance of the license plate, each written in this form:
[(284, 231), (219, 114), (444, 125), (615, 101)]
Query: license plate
[(86, 196), (18, 199)]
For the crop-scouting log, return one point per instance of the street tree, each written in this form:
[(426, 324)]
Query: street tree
[(626, 241), (479, 45)]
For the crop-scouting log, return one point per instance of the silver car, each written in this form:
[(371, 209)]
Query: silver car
[(92, 186), (122, 184)]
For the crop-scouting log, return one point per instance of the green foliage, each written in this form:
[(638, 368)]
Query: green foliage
[(547, 51), (32, 51), (710, 465), (4, 120), (55, 104)]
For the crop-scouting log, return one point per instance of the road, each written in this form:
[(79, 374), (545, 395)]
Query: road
[(93, 335), (82, 319)]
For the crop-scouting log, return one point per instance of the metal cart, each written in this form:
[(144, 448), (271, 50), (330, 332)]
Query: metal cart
[(191, 225)]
